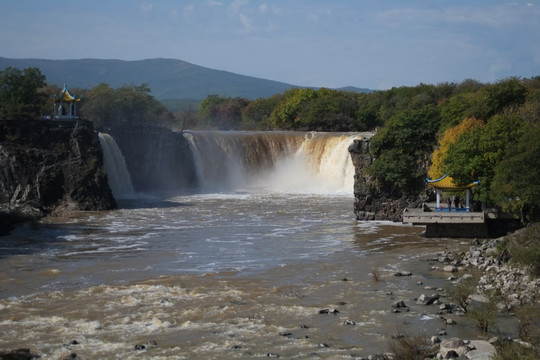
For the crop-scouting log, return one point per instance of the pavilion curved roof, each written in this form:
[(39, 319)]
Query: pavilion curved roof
[(447, 183), (65, 95)]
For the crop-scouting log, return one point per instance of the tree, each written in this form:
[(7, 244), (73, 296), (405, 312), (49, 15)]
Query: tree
[(222, 113), (367, 115), (98, 105), (256, 115), (516, 183), (505, 93), (329, 110), (286, 114), (449, 137), (464, 105), (401, 150), (476, 153), (21, 97), (129, 104)]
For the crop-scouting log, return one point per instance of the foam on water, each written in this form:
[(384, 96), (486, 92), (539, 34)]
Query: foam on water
[(219, 276)]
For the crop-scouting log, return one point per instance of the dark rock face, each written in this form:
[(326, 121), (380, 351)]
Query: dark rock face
[(50, 165), (157, 159), (19, 354), (370, 201)]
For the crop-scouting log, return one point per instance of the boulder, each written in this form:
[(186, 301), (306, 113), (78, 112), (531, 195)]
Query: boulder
[(481, 350), (452, 348), (427, 300)]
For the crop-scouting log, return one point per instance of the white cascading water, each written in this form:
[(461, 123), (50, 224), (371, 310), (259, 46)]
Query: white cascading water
[(277, 161), (321, 165), (117, 173)]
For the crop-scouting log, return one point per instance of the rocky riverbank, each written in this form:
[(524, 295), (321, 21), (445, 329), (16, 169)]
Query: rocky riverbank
[(494, 280)]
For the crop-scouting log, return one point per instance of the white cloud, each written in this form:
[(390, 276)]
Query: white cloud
[(246, 22), (188, 10), (147, 7), (496, 15), (263, 8), (237, 4), (214, 3)]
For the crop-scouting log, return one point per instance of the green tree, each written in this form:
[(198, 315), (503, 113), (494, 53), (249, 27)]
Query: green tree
[(316, 110), (286, 114), (329, 110), (129, 104), (402, 149), (208, 108), (476, 153), (464, 105), (505, 93), (256, 115), (367, 115), (98, 105), (516, 181), (449, 137), (224, 113), (21, 93)]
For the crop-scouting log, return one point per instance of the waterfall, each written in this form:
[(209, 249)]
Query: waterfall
[(291, 162), (115, 165)]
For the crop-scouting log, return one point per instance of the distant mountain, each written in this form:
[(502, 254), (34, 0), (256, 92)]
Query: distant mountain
[(167, 78), (355, 89)]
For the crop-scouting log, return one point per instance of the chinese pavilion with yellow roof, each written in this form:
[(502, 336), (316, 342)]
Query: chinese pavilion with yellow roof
[(446, 183), (65, 105)]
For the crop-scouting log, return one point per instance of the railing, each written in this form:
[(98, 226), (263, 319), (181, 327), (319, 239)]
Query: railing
[(442, 215), (450, 209)]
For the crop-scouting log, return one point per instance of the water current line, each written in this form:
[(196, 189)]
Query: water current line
[(117, 173)]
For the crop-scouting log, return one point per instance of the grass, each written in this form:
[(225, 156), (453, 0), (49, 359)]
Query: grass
[(523, 248), (528, 331)]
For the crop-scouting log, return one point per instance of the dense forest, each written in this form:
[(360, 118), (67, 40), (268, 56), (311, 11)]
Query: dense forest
[(468, 130)]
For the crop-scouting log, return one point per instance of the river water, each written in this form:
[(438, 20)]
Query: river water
[(236, 274)]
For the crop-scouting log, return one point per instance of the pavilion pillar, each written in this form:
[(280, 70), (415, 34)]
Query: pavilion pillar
[(438, 193), (467, 196)]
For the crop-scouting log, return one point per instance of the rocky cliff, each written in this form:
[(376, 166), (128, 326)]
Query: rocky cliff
[(158, 159), (370, 201), (46, 166)]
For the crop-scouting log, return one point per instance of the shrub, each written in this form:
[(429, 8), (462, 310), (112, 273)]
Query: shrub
[(411, 348), (484, 313), (462, 290), (512, 351), (529, 331), (529, 324), (523, 248)]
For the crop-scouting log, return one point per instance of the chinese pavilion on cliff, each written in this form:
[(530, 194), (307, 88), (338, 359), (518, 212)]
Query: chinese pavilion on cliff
[(450, 221), (65, 105)]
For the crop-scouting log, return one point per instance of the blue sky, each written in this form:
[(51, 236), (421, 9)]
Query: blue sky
[(376, 44)]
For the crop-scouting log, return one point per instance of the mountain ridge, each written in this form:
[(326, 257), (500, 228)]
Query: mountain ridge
[(167, 78)]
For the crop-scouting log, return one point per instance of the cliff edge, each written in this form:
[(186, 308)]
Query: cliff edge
[(47, 166), (370, 201)]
